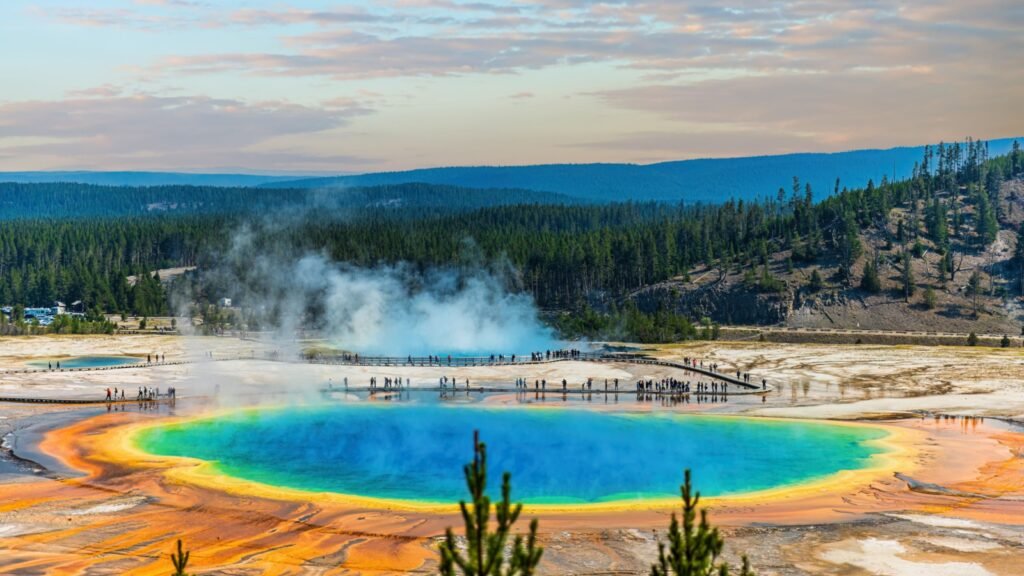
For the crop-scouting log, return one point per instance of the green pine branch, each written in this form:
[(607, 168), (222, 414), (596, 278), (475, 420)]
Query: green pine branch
[(180, 560), (694, 548), (484, 553)]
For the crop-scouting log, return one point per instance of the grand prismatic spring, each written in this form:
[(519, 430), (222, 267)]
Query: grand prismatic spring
[(558, 456)]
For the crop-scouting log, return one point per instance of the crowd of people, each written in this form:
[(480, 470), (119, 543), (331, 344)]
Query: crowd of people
[(569, 353), (674, 386), (390, 383), (144, 393), (664, 386), (713, 367)]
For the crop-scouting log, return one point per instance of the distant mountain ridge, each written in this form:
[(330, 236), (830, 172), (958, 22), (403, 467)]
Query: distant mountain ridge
[(711, 180)]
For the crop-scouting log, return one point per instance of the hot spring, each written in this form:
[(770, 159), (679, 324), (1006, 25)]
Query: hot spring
[(556, 455), (86, 362)]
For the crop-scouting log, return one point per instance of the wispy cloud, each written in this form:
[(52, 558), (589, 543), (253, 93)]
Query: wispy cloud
[(146, 131), (665, 79)]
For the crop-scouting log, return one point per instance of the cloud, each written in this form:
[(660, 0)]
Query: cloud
[(666, 79), (836, 110), (436, 38), (444, 37), (142, 131)]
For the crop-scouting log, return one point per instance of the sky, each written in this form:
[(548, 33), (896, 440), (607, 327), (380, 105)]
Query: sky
[(337, 87)]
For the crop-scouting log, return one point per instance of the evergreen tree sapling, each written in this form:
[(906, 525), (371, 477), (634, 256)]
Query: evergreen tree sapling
[(180, 560), (693, 548), (484, 553)]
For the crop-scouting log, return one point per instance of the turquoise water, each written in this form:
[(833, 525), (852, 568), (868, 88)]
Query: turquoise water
[(87, 362), (416, 452)]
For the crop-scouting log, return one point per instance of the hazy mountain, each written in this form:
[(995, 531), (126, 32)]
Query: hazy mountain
[(702, 180), (705, 180), (77, 200)]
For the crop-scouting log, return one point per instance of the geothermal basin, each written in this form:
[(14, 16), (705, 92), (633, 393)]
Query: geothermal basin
[(413, 453)]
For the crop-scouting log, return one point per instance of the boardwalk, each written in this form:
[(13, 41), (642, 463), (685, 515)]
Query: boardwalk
[(739, 385), (457, 362)]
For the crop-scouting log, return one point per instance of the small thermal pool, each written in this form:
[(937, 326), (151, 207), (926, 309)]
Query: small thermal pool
[(556, 456), (86, 362)]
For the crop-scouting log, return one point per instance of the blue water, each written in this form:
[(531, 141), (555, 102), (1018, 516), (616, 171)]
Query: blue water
[(416, 452), (87, 362)]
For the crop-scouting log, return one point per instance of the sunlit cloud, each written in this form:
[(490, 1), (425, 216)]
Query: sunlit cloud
[(144, 131), (665, 79)]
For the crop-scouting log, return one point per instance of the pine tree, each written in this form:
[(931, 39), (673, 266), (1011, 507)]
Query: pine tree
[(937, 224), (907, 276), (974, 290), (180, 560), (693, 549), (485, 553), (929, 299), (986, 225), (1018, 258), (816, 283), (870, 282), (849, 245)]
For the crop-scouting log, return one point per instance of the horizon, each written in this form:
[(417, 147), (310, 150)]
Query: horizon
[(182, 86), (287, 175)]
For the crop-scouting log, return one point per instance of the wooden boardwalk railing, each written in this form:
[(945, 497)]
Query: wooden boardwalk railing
[(432, 361)]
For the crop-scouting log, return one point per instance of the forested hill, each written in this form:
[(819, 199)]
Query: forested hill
[(73, 200), (692, 181), (940, 250)]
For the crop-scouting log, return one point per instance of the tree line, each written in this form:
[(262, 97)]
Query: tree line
[(568, 256)]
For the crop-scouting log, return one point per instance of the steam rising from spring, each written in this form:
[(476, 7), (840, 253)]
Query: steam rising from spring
[(393, 310), (396, 311)]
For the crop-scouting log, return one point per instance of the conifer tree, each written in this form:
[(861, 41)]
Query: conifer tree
[(1018, 258), (929, 300), (693, 549), (816, 283), (907, 276), (870, 282), (974, 290), (485, 553), (180, 560)]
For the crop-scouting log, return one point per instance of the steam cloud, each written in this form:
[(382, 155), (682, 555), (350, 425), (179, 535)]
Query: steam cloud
[(393, 310)]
